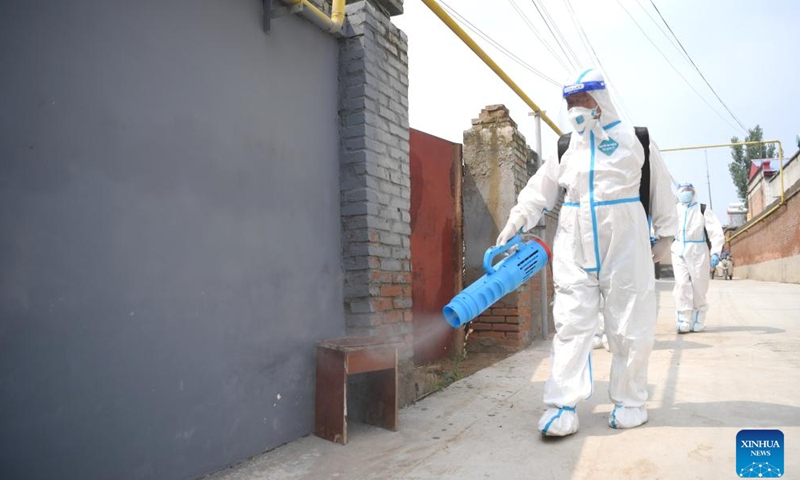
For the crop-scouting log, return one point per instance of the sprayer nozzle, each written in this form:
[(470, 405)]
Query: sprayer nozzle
[(451, 316)]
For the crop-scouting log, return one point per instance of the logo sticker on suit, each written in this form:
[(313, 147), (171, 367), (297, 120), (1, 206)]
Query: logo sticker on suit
[(608, 146)]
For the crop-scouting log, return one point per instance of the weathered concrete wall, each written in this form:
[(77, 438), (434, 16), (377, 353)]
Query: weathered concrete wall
[(498, 164), (170, 247), (785, 270)]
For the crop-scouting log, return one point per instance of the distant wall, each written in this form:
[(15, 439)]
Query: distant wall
[(755, 197), (765, 190), (770, 249)]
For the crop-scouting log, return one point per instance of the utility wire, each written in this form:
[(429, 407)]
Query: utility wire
[(674, 68), (573, 59), (590, 49), (660, 27), (495, 44), (469, 25), (564, 40), (531, 27), (560, 34), (695, 66)]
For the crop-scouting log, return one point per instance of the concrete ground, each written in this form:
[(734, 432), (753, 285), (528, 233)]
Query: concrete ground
[(742, 373)]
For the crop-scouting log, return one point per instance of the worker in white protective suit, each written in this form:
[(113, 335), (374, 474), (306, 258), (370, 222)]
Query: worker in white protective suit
[(602, 250), (690, 259)]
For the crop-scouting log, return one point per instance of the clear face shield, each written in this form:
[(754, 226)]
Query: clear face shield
[(587, 106)]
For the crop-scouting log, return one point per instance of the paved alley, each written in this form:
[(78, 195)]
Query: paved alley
[(743, 372)]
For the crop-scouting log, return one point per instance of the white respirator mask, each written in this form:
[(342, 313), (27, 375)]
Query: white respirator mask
[(583, 119)]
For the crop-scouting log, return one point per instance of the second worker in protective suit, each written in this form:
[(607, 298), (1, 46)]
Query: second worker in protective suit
[(602, 250), (691, 259)]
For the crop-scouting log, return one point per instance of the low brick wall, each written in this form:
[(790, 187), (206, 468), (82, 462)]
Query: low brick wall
[(770, 247)]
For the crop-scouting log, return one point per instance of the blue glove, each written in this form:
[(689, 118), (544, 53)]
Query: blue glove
[(714, 260)]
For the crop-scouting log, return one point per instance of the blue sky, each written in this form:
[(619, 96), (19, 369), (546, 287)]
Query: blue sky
[(748, 52)]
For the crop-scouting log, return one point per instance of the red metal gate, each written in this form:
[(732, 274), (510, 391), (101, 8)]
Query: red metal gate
[(435, 241)]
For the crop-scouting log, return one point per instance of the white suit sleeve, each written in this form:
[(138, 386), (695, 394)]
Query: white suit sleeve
[(540, 194), (662, 200), (714, 229)]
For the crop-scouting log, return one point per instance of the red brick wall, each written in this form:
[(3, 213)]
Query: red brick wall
[(775, 237), (505, 326)]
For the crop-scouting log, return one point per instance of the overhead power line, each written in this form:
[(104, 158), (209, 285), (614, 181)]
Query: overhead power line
[(695, 66), (536, 33), (497, 45), (548, 21), (592, 53), (660, 27), (673, 66)]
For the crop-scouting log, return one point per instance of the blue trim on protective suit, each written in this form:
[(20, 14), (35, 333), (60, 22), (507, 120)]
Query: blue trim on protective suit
[(550, 422), (612, 125), (614, 416), (696, 318), (615, 202), (685, 220), (580, 77), (592, 204)]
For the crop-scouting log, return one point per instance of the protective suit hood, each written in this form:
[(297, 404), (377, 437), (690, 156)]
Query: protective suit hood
[(593, 82), (686, 193)]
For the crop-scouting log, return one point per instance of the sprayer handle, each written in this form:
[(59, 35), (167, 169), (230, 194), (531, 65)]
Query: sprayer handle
[(492, 252)]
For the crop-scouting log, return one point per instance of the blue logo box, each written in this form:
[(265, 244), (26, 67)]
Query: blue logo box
[(759, 454)]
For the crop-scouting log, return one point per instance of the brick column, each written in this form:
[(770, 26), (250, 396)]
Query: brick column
[(374, 173), (498, 164)]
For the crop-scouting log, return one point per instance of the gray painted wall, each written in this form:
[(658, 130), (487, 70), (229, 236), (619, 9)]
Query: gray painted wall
[(169, 234)]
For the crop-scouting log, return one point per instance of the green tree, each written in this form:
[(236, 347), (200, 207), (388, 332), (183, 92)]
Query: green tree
[(743, 155)]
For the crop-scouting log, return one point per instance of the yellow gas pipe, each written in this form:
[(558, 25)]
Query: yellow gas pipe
[(332, 24), (448, 20), (780, 168)]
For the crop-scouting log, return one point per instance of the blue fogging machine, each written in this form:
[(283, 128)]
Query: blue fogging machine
[(504, 277)]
